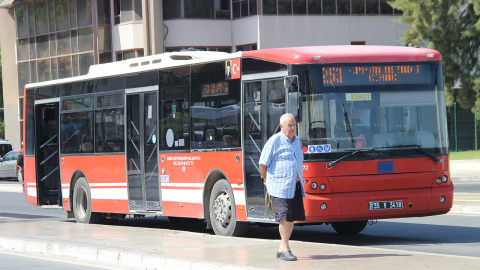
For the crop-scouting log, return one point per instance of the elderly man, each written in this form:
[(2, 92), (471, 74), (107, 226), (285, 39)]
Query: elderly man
[(281, 168)]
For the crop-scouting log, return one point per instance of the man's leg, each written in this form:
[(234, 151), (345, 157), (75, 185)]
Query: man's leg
[(285, 229)]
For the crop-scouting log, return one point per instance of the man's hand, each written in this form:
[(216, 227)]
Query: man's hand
[(263, 172)]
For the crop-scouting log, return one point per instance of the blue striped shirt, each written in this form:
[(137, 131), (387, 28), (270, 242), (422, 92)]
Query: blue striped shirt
[(284, 162)]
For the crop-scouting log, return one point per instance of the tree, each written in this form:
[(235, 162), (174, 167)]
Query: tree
[(451, 27)]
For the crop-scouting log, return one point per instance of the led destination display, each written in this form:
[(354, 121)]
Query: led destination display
[(376, 75), (215, 89)]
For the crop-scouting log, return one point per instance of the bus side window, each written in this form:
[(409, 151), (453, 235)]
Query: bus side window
[(174, 119), (215, 108), (76, 132)]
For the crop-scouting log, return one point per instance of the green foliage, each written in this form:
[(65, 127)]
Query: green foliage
[(465, 155), (454, 31)]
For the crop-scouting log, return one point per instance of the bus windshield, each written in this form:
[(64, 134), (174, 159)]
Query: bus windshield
[(389, 106)]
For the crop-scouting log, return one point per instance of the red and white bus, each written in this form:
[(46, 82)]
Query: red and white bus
[(180, 135)]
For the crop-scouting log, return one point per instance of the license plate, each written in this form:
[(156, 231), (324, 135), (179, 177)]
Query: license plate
[(386, 205)]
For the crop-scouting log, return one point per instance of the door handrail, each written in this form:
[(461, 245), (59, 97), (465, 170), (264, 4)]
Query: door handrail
[(256, 145), (50, 173), (45, 160), (255, 122), (43, 145), (255, 164)]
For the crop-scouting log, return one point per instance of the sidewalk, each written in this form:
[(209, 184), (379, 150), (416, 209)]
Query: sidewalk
[(465, 170), (154, 248)]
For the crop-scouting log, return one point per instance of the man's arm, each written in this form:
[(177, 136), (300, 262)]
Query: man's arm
[(263, 172)]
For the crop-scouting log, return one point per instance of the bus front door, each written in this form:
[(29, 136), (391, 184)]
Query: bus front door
[(264, 103), (142, 152), (47, 154)]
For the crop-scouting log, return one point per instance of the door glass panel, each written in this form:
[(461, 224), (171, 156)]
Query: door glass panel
[(150, 151), (275, 106), (253, 146), (134, 170)]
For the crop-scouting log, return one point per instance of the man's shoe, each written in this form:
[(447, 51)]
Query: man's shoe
[(279, 254), (288, 256)]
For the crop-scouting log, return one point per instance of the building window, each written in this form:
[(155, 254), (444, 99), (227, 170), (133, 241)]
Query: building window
[(210, 9), (247, 47), (124, 55), (127, 11), (357, 43), (214, 49), (55, 38), (244, 8), (343, 7)]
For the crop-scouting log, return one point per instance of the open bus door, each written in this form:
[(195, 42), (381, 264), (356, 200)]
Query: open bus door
[(47, 154), (264, 104)]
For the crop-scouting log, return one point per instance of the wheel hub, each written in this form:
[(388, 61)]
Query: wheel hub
[(223, 209)]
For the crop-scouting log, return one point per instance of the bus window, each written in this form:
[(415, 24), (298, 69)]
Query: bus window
[(109, 130), (215, 108), (76, 132), (174, 109)]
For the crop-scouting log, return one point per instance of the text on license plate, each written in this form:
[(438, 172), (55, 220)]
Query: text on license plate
[(386, 205)]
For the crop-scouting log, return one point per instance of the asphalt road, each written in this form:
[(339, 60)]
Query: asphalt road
[(449, 234)]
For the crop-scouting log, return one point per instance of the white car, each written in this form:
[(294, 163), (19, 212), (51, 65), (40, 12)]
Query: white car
[(7, 165), (5, 147)]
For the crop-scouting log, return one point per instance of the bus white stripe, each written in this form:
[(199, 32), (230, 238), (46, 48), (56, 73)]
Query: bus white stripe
[(195, 196), (108, 184), (109, 193), (192, 185), (32, 184), (32, 191), (65, 194)]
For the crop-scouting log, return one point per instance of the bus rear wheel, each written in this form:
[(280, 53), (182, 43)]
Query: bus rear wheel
[(82, 203), (222, 211), (349, 227)]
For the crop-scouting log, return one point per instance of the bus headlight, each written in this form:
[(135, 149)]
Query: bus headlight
[(439, 181), (323, 206), (444, 179), (323, 187), (314, 185), (442, 199)]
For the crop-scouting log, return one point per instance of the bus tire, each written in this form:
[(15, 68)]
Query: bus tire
[(82, 203), (349, 227), (222, 211)]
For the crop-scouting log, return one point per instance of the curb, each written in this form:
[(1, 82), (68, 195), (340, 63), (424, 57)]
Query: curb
[(474, 178), (465, 209), (10, 188), (114, 256)]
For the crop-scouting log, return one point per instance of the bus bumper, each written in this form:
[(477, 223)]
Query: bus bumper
[(356, 206)]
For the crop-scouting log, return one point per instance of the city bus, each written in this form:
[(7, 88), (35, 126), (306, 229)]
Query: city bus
[(180, 135)]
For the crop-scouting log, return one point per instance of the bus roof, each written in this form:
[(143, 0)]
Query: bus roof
[(345, 54), (297, 55)]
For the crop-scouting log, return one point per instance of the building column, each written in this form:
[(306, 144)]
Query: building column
[(152, 13), (10, 76)]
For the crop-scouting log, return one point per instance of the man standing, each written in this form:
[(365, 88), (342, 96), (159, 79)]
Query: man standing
[(281, 168)]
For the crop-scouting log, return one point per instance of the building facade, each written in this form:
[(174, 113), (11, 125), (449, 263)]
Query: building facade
[(52, 39)]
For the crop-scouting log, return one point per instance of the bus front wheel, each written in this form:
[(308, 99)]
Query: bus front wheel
[(82, 203), (349, 227), (222, 211)]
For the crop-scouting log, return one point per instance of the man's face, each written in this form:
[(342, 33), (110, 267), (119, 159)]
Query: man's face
[(289, 126)]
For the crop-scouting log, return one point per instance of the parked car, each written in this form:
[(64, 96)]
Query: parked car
[(5, 147), (7, 165)]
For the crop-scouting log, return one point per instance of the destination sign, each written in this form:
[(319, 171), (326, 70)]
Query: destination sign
[(215, 89), (376, 75)]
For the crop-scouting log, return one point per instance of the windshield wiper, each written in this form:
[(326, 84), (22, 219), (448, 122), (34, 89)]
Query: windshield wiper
[(331, 164), (346, 120), (418, 147)]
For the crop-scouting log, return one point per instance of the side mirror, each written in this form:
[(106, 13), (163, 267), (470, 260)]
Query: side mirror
[(295, 105)]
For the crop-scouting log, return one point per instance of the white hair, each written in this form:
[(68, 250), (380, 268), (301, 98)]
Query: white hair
[(282, 118)]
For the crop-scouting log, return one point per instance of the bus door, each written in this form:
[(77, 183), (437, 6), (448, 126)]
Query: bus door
[(264, 103), (142, 152), (47, 154)]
